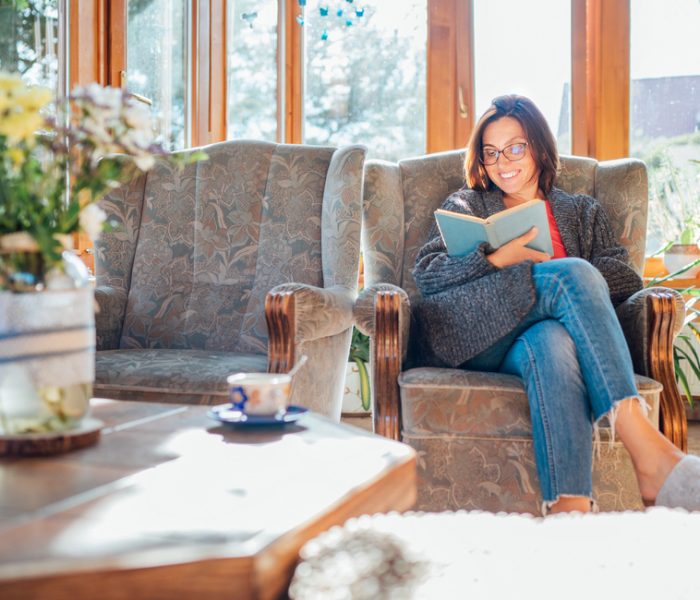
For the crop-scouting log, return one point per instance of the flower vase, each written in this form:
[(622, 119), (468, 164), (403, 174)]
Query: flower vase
[(47, 348)]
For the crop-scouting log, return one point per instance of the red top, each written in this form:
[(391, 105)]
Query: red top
[(557, 244)]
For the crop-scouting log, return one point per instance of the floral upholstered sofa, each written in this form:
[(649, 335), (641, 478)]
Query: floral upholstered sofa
[(202, 262)]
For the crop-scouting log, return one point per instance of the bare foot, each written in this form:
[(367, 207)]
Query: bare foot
[(651, 475), (653, 454)]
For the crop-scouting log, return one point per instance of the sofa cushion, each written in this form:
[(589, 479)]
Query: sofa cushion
[(177, 376), (471, 403)]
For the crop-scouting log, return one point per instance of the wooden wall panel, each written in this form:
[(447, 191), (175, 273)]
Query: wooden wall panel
[(465, 72), (208, 72), (612, 80), (218, 101), (293, 40), (87, 42), (449, 67), (579, 79), (441, 74), (116, 42), (600, 78)]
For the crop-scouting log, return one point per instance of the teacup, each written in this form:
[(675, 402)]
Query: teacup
[(259, 393)]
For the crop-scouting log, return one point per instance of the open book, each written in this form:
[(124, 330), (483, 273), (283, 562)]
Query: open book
[(463, 233)]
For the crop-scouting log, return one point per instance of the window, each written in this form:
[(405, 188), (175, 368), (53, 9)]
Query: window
[(365, 75), (665, 112), (252, 69), (29, 41), (525, 48), (156, 63)]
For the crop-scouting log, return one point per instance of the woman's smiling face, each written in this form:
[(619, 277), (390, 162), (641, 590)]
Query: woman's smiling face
[(519, 178)]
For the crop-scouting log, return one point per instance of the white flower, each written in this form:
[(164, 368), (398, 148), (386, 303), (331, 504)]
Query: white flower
[(144, 162), (138, 117), (92, 219)]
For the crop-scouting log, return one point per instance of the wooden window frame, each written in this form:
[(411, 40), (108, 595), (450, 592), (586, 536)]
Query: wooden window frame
[(600, 81), (208, 98), (600, 84), (450, 74)]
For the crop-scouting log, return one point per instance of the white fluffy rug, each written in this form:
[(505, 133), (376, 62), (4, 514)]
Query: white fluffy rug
[(478, 555)]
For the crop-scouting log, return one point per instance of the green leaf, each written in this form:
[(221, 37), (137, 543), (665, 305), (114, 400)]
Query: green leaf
[(359, 346), (365, 394), (663, 249), (693, 361), (680, 376), (694, 329), (677, 272)]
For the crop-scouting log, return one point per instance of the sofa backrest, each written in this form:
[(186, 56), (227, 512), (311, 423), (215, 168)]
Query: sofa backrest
[(199, 248), (400, 199)]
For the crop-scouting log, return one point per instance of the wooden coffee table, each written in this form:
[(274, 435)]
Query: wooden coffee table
[(170, 504)]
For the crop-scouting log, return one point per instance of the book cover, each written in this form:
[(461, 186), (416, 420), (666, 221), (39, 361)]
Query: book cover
[(463, 233)]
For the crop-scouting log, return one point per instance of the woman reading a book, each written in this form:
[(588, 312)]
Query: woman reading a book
[(548, 319)]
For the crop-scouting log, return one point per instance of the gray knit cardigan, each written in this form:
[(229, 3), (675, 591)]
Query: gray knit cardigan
[(467, 304)]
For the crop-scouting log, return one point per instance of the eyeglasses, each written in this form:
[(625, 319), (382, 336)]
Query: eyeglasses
[(513, 152)]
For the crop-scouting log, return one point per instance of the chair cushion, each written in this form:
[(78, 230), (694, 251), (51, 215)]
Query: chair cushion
[(470, 403), (178, 376), (473, 437)]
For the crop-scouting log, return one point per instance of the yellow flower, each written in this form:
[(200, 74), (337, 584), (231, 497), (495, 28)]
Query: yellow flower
[(5, 101), (16, 156), (20, 126), (10, 81), (33, 98)]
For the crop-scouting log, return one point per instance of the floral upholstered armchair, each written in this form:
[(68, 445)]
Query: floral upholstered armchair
[(243, 262), (472, 430)]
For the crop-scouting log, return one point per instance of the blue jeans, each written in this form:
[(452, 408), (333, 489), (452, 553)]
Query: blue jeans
[(572, 356)]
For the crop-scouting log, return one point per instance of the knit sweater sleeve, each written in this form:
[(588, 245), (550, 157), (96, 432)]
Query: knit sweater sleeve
[(436, 271), (607, 255)]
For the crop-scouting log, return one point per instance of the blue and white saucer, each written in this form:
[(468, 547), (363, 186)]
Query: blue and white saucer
[(226, 413)]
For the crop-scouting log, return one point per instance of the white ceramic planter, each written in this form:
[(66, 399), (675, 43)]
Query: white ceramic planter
[(679, 255), (352, 399), (47, 360)]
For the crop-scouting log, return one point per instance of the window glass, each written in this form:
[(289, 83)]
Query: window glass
[(365, 75), (252, 69), (525, 48), (157, 63), (29, 40), (665, 113)]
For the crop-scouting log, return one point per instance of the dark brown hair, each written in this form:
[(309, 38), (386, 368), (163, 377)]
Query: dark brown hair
[(539, 138)]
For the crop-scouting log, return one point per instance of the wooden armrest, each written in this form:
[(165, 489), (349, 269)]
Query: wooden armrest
[(280, 317), (672, 419), (386, 350)]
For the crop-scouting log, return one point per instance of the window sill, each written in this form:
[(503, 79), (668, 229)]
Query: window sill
[(654, 269)]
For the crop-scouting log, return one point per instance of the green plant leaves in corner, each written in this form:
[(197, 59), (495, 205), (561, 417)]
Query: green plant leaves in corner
[(359, 354)]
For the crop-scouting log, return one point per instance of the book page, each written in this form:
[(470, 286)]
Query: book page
[(457, 215), (461, 236), (512, 223)]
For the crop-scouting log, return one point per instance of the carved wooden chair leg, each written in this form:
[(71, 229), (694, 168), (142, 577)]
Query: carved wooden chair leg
[(672, 418), (386, 347), (280, 317)]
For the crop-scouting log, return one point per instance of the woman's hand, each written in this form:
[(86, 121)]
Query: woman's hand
[(515, 251)]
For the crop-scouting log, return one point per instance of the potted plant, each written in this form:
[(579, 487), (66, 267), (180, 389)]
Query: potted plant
[(58, 157), (675, 210), (357, 397), (684, 351)]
